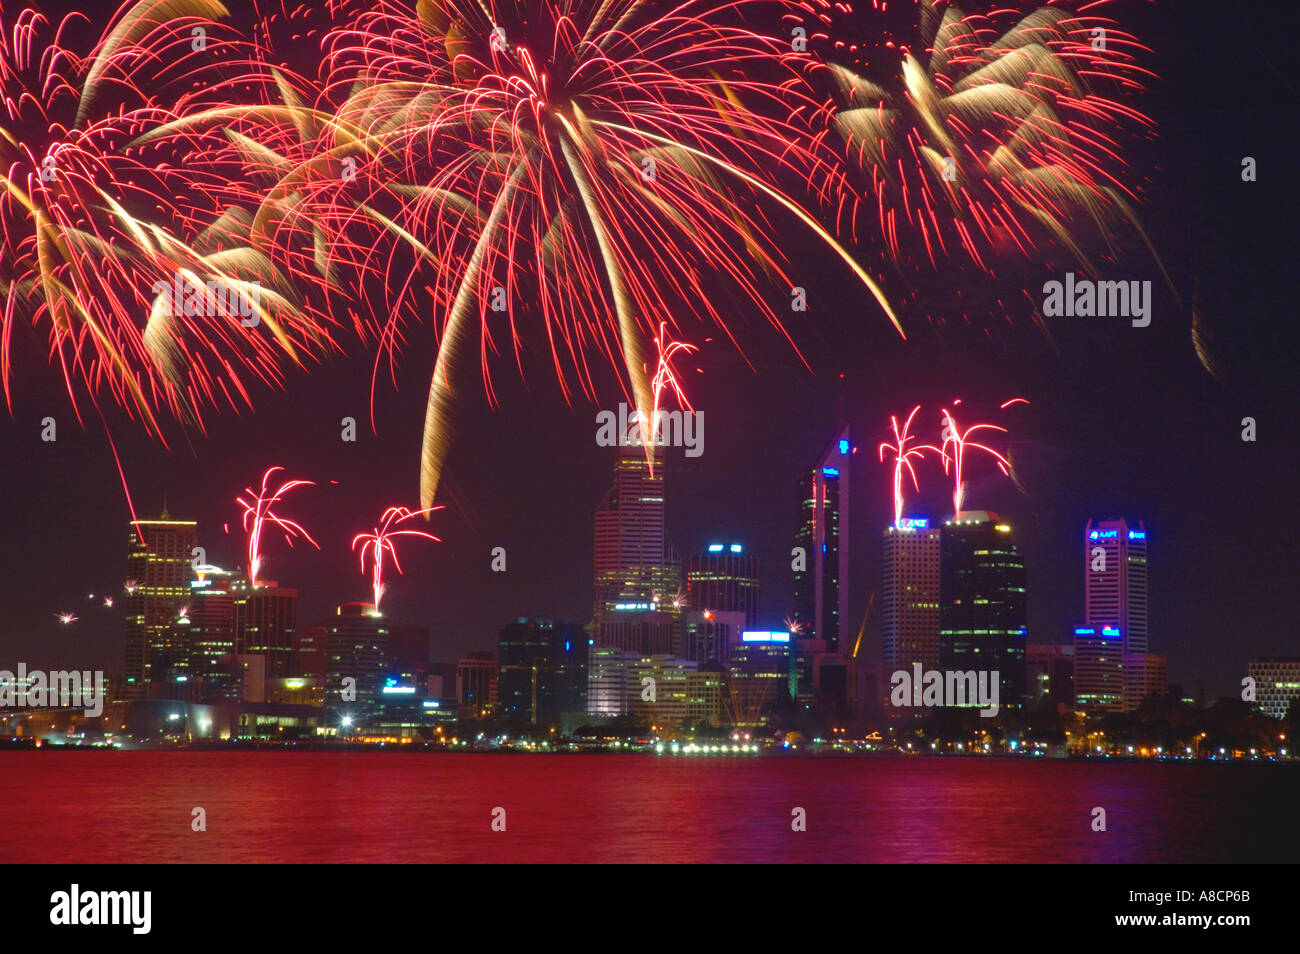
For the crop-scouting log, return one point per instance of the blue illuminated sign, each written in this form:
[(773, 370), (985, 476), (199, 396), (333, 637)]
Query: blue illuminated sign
[(1137, 534), (735, 548), (759, 636), (1110, 630), (914, 523), (844, 447), (1103, 534), (715, 547), (1085, 631), (830, 472)]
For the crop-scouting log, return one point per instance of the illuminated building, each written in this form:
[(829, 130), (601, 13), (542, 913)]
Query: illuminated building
[(476, 685), (724, 580), (982, 607), (1277, 683), (707, 636), (357, 648), (607, 684), (159, 560), (1098, 668), (266, 620), (637, 572), (757, 676), (821, 587), (211, 627), (666, 708), (543, 665), (909, 605), (1115, 587), (704, 688), (1049, 675)]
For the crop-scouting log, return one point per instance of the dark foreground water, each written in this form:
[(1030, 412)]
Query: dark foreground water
[(93, 806)]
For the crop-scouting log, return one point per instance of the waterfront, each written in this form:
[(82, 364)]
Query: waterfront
[(86, 806)]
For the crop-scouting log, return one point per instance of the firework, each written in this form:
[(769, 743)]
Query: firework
[(997, 137), (381, 541), (258, 513), (903, 457), (607, 161), (108, 602), (955, 444), (131, 586), (145, 293), (66, 618)]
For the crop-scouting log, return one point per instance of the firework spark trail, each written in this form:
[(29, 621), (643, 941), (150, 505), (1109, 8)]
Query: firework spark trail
[(147, 295), (903, 457), (959, 441), (258, 513), (381, 541), (604, 157), (664, 378), (1003, 137)]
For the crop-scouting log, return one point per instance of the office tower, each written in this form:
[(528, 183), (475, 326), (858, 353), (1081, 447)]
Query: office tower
[(667, 707), (634, 562), (211, 623), (1115, 587), (358, 653), (543, 670), (1098, 669), (1277, 685), (909, 604), (1049, 675), (476, 685), (266, 623), (724, 580), (159, 564), (607, 684), (983, 624), (708, 636), (637, 572), (757, 676), (821, 580)]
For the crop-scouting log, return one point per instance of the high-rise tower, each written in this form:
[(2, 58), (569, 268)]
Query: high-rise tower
[(637, 571), (983, 623), (821, 586), (1115, 588), (158, 564), (909, 605)]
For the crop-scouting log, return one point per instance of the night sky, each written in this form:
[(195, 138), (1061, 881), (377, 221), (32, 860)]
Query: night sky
[(1123, 421)]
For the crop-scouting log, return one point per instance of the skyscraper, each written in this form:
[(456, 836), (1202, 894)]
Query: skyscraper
[(1098, 669), (821, 578), (637, 572), (724, 580), (909, 604), (159, 555), (266, 621), (983, 624), (211, 621), (1115, 587), (543, 669), (476, 685), (357, 648)]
